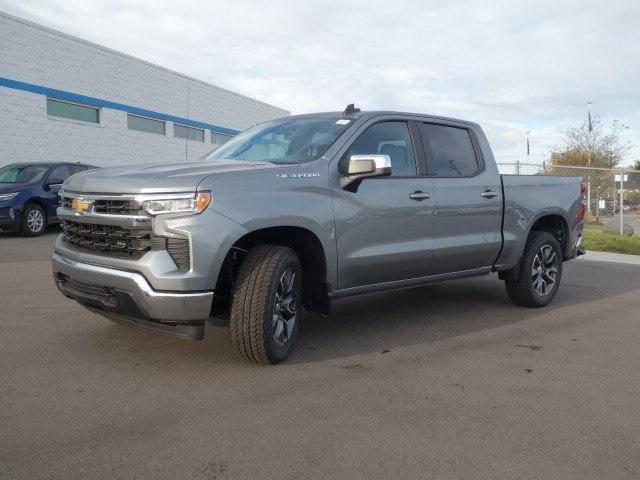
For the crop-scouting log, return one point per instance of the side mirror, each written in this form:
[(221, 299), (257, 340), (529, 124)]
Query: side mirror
[(360, 167), (53, 182)]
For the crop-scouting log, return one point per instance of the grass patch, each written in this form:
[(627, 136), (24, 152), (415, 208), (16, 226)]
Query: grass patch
[(597, 240)]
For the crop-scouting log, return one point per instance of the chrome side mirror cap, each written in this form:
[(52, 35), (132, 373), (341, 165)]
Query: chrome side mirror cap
[(360, 167)]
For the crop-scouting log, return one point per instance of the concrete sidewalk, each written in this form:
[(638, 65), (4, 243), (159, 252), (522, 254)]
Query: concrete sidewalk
[(611, 257)]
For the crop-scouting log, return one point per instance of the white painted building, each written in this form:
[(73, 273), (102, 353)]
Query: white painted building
[(66, 99)]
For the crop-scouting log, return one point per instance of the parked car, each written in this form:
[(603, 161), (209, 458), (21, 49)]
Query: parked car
[(29, 194), (301, 211)]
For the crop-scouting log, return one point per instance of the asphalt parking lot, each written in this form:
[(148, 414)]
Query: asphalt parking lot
[(446, 381)]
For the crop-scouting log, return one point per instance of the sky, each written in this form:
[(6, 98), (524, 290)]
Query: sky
[(511, 66)]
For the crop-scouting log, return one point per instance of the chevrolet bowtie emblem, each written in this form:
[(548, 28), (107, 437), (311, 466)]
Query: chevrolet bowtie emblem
[(80, 205)]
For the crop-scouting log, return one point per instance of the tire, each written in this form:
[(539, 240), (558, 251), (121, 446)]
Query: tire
[(540, 271), (265, 309), (34, 221)]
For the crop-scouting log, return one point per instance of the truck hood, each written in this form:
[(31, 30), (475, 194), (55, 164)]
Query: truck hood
[(155, 178)]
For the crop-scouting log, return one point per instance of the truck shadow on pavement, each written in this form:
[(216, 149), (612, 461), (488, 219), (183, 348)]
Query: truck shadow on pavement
[(379, 323)]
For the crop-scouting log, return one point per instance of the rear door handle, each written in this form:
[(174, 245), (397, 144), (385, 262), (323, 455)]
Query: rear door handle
[(489, 194), (419, 195)]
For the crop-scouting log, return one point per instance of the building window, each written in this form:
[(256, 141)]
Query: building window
[(73, 111), (189, 133), (145, 124), (219, 138)]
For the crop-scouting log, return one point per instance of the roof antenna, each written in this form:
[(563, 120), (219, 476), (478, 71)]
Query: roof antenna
[(350, 109)]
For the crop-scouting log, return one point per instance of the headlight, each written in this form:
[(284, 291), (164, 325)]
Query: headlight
[(178, 204), (8, 196)]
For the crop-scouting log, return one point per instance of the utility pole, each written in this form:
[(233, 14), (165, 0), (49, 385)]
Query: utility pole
[(622, 179), (590, 130)]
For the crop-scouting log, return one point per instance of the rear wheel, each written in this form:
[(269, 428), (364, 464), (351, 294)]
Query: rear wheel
[(540, 272), (266, 304), (34, 221)]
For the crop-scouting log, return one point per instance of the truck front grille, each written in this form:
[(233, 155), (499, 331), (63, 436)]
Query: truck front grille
[(109, 239), (130, 239)]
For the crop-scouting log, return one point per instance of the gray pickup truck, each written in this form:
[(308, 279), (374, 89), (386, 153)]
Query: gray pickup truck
[(303, 210)]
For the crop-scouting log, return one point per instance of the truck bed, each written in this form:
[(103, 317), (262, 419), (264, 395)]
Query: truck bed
[(529, 197)]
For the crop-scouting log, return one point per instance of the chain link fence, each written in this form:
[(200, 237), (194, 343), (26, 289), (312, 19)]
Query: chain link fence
[(613, 195)]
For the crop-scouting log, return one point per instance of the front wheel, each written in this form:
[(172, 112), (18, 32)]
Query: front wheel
[(266, 304), (34, 221), (540, 272)]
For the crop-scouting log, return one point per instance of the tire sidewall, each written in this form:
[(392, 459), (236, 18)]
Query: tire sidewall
[(275, 352), (25, 226), (534, 247)]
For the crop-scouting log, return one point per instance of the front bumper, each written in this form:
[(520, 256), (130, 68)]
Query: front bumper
[(127, 297)]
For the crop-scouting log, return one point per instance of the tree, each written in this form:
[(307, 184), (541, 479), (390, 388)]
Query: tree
[(595, 148)]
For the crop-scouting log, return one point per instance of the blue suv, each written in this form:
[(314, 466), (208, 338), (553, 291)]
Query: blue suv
[(29, 194)]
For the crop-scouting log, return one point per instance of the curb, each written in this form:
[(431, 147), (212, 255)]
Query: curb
[(592, 256)]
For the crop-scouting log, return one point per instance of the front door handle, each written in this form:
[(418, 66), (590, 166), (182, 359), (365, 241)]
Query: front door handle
[(489, 194), (419, 195)]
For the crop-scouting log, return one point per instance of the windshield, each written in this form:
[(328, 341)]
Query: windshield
[(285, 141), (22, 173)]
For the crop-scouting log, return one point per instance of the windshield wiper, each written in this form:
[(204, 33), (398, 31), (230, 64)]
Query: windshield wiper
[(452, 166)]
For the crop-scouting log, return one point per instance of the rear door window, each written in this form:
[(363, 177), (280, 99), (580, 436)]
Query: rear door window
[(451, 150)]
